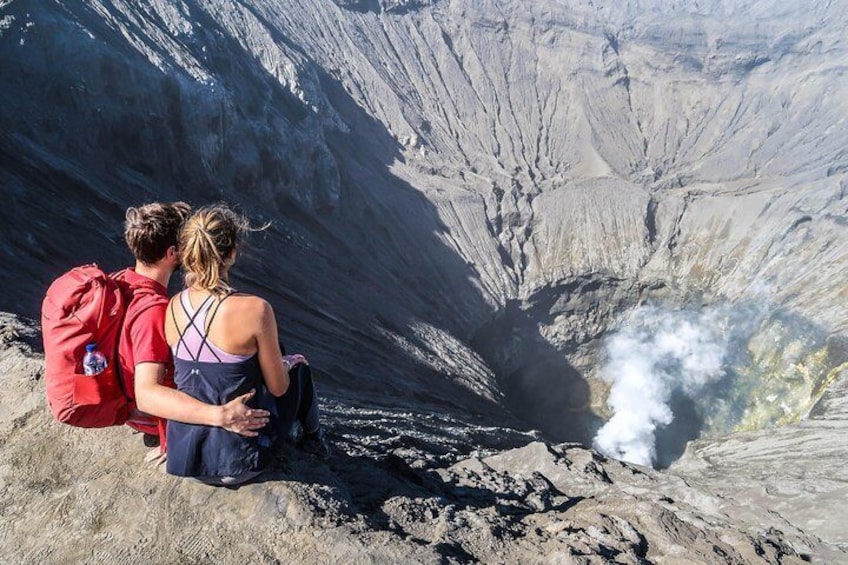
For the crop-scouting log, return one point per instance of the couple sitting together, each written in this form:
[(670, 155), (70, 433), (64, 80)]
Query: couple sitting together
[(208, 360)]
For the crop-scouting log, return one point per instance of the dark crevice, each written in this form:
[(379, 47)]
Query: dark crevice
[(540, 384), (687, 425), (651, 221)]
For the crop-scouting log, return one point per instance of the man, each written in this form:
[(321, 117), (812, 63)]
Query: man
[(151, 232)]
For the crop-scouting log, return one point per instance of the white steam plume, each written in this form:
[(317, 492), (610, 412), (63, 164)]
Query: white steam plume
[(655, 353)]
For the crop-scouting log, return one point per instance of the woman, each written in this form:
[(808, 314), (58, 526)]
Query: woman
[(225, 344)]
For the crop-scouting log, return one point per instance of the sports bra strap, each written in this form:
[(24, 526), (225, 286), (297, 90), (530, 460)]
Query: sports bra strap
[(208, 327), (191, 318)]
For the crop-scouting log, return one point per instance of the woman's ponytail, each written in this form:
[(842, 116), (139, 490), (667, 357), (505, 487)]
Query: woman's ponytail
[(208, 242)]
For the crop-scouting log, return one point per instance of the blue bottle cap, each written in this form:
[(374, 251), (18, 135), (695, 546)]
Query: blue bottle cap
[(91, 347)]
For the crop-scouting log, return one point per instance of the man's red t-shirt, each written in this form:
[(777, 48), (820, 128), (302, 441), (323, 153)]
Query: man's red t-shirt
[(143, 339)]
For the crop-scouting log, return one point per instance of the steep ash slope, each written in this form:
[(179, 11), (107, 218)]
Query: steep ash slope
[(446, 171), (525, 105)]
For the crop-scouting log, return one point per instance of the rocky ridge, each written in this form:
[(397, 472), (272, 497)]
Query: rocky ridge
[(404, 486)]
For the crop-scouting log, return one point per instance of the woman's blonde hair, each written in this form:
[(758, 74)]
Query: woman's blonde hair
[(207, 242)]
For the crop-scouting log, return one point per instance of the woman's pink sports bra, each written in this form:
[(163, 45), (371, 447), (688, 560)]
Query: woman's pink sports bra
[(194, 344)]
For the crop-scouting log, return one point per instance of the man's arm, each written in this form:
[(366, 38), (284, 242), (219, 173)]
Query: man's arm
[(154, 398)]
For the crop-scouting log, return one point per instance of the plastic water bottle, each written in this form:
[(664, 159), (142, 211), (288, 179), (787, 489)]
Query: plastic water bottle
[(94, 362)]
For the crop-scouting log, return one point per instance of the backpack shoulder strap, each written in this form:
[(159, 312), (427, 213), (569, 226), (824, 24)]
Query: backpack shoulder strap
[(144, 297), (144, 301)]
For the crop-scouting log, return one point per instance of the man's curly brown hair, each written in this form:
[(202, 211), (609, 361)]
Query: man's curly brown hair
[(152, 228)]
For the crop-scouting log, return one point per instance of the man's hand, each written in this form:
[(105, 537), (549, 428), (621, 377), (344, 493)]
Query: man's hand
[(238, 417)]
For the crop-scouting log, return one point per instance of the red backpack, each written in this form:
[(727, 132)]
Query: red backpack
[(85, 305)]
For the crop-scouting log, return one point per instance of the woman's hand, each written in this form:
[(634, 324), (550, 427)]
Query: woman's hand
[(294, 360), (238, 417)]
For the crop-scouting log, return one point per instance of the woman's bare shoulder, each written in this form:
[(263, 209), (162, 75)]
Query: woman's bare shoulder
[(248, 303)]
